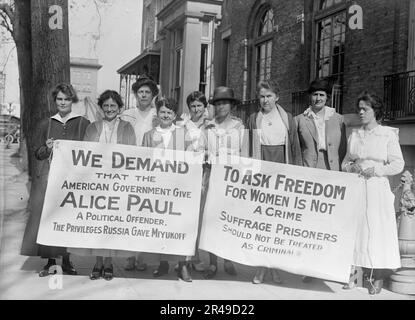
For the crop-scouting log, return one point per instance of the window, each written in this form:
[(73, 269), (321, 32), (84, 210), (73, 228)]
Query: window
[(178, 57), (263, 46), (330, 41), (329, 45), (203, 67)]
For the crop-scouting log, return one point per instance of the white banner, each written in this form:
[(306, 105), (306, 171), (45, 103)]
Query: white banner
[(297, 219), (112, 196)]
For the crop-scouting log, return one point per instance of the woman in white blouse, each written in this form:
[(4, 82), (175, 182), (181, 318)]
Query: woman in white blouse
[(374, 152), (109, 130)]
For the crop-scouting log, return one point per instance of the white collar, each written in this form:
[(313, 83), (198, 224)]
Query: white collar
[(70, 116), (328, 113), (165, 130)]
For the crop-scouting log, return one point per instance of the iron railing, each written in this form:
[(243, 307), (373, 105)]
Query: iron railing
[(399, 95), (245, 109)]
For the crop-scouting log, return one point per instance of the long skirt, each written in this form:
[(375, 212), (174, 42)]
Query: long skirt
[(29, 245), (377, 244)]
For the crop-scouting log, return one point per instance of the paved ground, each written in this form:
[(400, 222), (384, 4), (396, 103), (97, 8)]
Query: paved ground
[(19, 279)]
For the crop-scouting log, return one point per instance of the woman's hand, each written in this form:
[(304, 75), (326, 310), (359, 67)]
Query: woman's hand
[(49, 143), (368, 173), (355, 168)]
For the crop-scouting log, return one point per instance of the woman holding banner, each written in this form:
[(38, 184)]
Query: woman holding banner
[(225, 138), (194, 122), (109, 130), (169, 136), (273, 137), (374, 153), (64, 125), (322, 132)]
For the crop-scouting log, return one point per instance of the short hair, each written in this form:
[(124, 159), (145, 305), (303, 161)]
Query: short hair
[(145, 81), (67, 89), (168, 103), (268, 85), (196, 96), (110, 94), (375, 103)]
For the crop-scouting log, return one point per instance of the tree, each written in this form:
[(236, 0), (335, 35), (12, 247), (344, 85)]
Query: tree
[(40, 30)]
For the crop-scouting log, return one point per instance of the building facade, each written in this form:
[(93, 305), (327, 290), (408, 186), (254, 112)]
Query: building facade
[(84, 77), (358, 45), (177, 48)]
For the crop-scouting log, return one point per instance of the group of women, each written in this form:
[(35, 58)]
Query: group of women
[(316, 138)]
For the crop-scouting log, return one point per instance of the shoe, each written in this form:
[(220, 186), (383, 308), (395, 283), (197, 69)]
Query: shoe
[(46, 269), (162, 269), (198, 266), (352, 282), (96, 273), (184, 272), (375, 287), (306, 279), (141, 267), (229, 268), (211, 271), (68, 268), (259, 275), (276, 278), (130, 264), (108, 273)]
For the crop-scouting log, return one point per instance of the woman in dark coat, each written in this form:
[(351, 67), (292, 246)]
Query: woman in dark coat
[(273, 137), (65, 125)]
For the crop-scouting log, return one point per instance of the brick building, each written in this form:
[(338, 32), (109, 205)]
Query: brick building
[(359, 45)]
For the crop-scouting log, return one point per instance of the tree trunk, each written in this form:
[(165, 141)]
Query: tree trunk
[(22, 38), (50, 61)]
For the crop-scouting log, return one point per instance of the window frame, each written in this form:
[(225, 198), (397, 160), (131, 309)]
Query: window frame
[(258, 41), (319, 15)]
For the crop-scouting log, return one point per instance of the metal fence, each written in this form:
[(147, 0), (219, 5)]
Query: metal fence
[(245, 109), (399, 95)]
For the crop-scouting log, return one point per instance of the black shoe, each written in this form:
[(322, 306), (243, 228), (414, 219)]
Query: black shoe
[(46, 269), (68, 268), (108, 273), (184, 272), (229, 268), (96, 273), (162, 269), (210, 272), (375, 287)]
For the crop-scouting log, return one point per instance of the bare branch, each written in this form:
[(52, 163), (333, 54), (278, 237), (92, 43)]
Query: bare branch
[(5, 22), (7, 9)]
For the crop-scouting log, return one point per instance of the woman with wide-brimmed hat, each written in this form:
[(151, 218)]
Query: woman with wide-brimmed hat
[(225, 137)]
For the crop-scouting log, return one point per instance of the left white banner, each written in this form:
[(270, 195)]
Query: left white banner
[(111, 196)]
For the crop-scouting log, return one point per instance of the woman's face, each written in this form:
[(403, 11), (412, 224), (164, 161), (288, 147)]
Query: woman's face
[(267, 99), (366, 113), (166, 116), (144, 96), (63, 103), (197, 109), (111, 109), (318, 100), (222, 108)]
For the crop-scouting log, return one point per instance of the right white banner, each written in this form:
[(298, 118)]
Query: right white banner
[(297, 219)]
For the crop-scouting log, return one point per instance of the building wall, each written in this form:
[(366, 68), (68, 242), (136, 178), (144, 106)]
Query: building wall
[(84, 77), (379, 49)]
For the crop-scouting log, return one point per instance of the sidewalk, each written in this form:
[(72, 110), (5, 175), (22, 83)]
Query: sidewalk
[(19, 278)]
